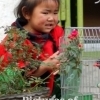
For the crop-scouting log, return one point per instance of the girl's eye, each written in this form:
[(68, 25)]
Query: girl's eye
[(56, 13), (45, 13)]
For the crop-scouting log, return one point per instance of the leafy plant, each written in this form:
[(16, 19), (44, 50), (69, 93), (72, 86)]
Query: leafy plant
[(71, 64), (13, 80), (72, 50)]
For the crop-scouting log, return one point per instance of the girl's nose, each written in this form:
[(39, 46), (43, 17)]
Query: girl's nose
[(51, 18)]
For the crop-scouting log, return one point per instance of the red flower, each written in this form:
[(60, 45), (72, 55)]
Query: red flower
[(21, 64), (2, 50), (96, 65), (73, 34), (71, 37), (80, 45), (4, 56)]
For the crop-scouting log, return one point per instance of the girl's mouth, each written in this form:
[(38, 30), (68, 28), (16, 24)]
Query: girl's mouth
[(49, 25)]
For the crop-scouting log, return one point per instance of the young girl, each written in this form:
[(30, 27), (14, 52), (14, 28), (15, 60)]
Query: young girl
[(40, 19)]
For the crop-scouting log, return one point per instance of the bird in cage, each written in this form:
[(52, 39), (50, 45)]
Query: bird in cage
[(97, 63)]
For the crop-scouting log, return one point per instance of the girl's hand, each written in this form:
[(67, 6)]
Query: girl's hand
[(52, 63)]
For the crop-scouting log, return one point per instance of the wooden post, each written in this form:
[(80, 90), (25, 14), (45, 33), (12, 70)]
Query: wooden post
[(62, 10), (80, 13), (67, 13), (62, 13)]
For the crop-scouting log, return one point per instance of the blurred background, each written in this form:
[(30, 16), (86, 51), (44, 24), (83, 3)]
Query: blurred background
[(80, 13), (73, 13)]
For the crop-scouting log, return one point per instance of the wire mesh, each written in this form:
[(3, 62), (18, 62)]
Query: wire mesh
[(87, 86)]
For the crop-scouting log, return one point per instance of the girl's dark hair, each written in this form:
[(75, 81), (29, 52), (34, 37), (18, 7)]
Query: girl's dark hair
[(29, 7)]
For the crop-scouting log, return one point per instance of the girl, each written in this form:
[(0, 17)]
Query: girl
[(40, 19)]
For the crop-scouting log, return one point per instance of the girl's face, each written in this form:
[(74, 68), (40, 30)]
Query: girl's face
[(44, 17)]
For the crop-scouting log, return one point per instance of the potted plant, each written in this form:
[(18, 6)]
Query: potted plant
[(14, 81), (71, 66)]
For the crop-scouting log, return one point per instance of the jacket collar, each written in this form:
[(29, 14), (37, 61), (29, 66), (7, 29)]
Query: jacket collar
[(31, 36)]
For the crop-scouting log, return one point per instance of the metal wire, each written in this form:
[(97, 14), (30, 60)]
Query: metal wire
[(89, 87)]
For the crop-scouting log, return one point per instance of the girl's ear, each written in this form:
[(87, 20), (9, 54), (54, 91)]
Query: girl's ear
[(25, 13)]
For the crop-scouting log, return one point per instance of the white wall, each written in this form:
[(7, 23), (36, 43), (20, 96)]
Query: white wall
[(6, 14)]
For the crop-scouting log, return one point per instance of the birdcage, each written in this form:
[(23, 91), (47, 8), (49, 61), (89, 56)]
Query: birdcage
[(86, 86)]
